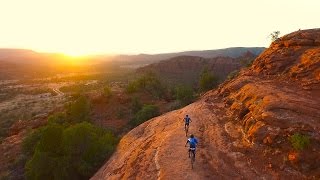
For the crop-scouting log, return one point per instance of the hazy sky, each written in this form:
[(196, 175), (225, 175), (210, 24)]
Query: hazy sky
[(149, 26)]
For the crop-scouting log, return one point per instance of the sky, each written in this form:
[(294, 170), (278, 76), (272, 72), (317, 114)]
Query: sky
[(80, 27)]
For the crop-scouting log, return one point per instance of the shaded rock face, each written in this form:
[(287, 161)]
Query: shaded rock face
[(244, 127)]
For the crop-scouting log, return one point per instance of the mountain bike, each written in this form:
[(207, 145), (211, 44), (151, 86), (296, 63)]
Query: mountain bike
[(192, 155)]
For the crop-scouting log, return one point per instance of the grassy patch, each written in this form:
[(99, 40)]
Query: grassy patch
[(299, 141)]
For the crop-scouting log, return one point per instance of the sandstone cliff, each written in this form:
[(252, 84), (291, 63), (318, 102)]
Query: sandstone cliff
[(244, 127), (187, 69)]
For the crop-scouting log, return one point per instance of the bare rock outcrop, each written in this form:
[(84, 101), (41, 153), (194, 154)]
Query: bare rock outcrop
[(280, 96)]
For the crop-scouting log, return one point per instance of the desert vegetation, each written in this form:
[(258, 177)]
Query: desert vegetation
[(149, 83), (184, 94), (145, 113), (274, 35), (69, 146), (299, 141), (207, 80)]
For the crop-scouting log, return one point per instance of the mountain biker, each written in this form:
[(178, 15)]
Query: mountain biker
[(193, 144), (187, 121)]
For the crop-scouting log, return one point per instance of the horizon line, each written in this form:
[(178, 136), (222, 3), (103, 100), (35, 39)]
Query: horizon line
[(122, 53)]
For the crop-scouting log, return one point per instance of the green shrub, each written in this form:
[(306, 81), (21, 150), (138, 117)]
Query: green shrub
[(132, 87), (136, 105), (149, 83), (299, 141), (30, 142), (84, 150), (78, 111), (107, 91), (45, 162), (57, 118), (184, 94), (50, 139), (75, 152), (207, 80), (274, 35), (146, 113)]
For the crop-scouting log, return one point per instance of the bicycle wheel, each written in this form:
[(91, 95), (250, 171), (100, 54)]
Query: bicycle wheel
[(192, 158)]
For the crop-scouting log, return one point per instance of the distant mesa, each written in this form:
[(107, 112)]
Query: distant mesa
[(233, 52), (187, 69)]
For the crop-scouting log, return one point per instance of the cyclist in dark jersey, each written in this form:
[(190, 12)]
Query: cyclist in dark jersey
[(193, 144), (187, 121)]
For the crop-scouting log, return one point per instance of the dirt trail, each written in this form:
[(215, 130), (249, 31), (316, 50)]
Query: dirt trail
[(173, 157), (155, 150), (56, 90), (215, 157)]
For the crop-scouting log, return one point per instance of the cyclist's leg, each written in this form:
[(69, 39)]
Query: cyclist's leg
[(186, 129), (194, 154), (192, 158)]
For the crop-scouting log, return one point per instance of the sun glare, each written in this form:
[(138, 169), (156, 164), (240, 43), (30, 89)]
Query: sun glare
[(72, 58), (75, 54)]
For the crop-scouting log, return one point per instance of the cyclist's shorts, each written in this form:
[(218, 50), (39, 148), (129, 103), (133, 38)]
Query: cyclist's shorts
[(192, 146), (187, 124), (192, 149)]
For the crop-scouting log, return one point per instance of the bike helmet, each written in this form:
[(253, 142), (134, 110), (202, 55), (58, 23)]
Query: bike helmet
[(191, 136)]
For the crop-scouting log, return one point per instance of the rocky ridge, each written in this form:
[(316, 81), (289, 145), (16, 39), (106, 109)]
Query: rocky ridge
[(244, 127)]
